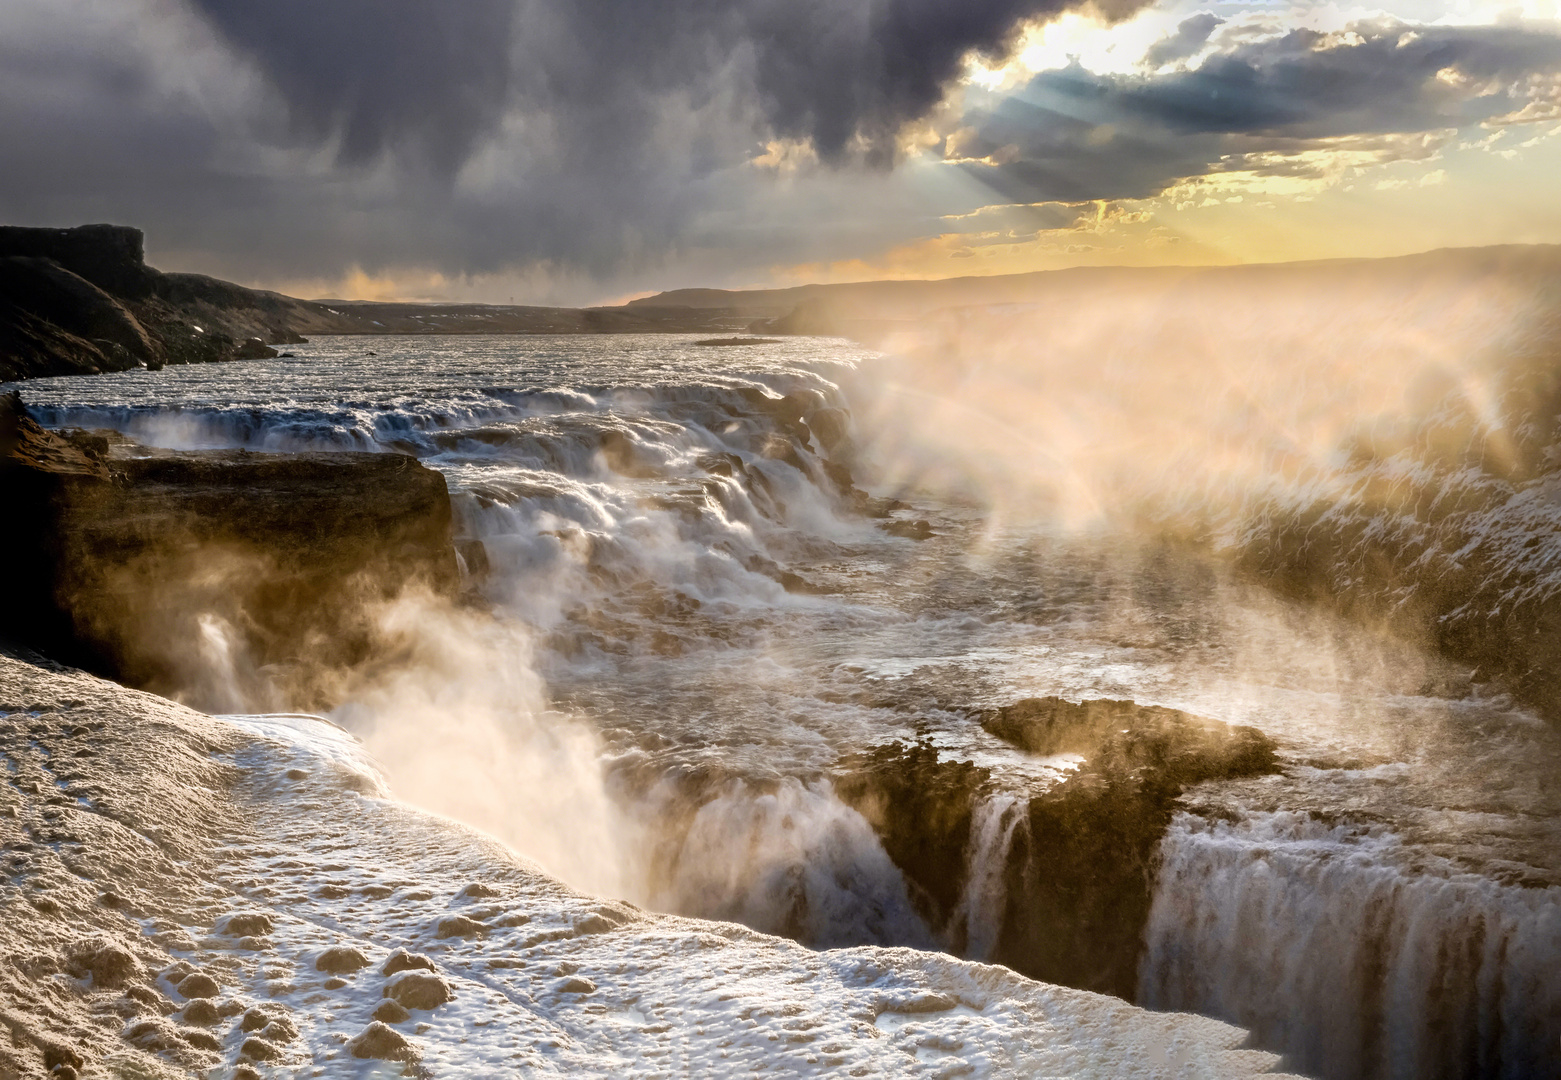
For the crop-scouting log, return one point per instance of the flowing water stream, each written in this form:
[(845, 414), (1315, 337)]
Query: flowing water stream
[(709, 586)]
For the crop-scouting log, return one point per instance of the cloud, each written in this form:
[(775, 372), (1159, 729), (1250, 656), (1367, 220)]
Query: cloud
[(578, 139), (586, 147), (375, 74), (1296, 104), (1190, 37)]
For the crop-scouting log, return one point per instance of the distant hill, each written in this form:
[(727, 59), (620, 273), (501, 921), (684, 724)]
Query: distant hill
[(83, 300), (875, 305)]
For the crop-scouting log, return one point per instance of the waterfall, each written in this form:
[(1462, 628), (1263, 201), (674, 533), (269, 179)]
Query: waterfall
[(981, 906), (1333, 947)]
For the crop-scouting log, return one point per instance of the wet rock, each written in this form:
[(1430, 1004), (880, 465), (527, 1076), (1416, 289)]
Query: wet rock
[(107, 964), (418, 990), (391, 1012), (380, 1041), (459, 926), (155, 1035), (401, 960), (908, 530), (1080, 873), (333, 892), (201, 1012), (198, 985), (921, 807), (145, 995), (244, 1072), (127, 554), (478, 891), (247, 924), (272, 1021), (576, 984), (279, 1030), (298, 774), (253, 349), (257, 1049), (341, 960), (201, 1040)]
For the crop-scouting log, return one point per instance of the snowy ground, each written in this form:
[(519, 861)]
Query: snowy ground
[(173, 882)]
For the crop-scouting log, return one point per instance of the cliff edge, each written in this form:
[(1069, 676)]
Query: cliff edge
[(138, 563)]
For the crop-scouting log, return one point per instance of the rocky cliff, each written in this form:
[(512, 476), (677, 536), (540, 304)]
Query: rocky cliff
[(1075, 882), (160, 567), (79, 301)]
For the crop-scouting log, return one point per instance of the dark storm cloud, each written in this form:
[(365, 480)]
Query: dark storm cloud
[(299, 138), (380, 72), (1190, 36), (465, 136), (827, 71), (1072, 134)]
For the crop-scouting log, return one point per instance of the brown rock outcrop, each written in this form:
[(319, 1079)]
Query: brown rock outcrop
[(1079, 873), (140, 563)]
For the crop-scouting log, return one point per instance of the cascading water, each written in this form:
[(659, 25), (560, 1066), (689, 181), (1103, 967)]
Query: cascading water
[(986, 869), (696, 614), (1356, 956)]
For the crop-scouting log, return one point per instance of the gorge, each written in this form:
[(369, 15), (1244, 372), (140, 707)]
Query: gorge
[(1238, 704)]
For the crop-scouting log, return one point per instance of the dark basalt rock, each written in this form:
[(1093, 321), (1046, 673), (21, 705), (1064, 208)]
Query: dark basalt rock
[(49, 291), (921, 809), (83, 300), (112, 257), (908, 530), (1079, 875), (253, 349)]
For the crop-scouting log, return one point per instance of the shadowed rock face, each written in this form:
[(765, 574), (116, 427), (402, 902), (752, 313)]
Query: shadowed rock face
[(921, 809), (1079, 875), (111, 257), (140, 563), (80, 301)]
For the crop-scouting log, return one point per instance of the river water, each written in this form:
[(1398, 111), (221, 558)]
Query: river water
[(714, 573)]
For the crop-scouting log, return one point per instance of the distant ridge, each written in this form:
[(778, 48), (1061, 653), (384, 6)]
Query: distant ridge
[(911, 298)]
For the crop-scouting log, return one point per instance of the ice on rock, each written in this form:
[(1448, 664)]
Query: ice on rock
[(642, 995)]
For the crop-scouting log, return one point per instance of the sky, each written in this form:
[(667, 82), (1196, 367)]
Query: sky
[(588, 151)]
